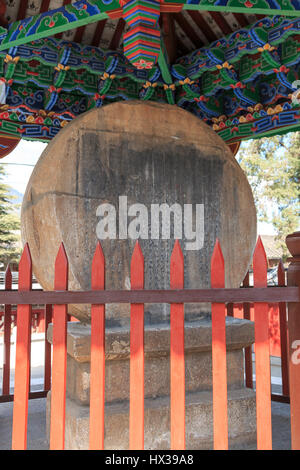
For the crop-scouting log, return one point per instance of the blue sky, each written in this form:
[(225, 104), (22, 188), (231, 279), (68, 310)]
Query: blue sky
[(27, 154)]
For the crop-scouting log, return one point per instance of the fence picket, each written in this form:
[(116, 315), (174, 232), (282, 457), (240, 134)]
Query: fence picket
[(248, 350), (283, 334), (47, 370), (219, 368), (262, 353), (22, 367), (177, 364), (136, 414), (59, 364), (230, 309), (7, 336), (251, 300), (97, 379)]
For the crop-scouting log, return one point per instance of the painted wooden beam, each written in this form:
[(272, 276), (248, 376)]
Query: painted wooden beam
[(264, 7), (51, 22)]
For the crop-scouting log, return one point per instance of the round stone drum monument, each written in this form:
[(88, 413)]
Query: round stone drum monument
[(154, 172)]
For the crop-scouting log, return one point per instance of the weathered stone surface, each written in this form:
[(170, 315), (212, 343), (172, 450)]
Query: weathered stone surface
[(153, 154), (241, 401), (198, 362), (239, 334), (199, 428)]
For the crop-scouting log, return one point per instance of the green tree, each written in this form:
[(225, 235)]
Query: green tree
[(272, 166), (9, 225)]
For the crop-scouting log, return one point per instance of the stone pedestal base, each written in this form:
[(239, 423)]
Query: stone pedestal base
[(199, 428)]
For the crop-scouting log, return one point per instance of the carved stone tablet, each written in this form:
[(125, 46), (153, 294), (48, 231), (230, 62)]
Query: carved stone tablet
[(109, 172)]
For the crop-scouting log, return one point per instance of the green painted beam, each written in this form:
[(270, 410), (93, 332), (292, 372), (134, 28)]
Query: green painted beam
[(84, 12), (56, 21), (260, 7), (257, 11), (163, 65)]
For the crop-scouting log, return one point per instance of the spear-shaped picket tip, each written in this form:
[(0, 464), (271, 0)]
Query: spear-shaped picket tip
[(260, 264), (177, 267), (259, 250), (8, 278), (61, 269), (137, 267), (217, 266), (26, 255), (25, 269), (281, 274), (98, 268)]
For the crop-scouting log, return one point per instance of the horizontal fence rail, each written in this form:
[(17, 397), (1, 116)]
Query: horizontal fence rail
[(253, 302), (216, 295)]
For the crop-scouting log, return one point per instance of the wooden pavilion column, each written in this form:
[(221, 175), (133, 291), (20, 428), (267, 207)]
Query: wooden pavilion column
[(293, 279)]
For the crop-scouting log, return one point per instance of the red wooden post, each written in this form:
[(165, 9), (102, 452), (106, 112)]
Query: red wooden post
[(22, 368), (219, 367), (136, 414), (283, 334), (229, 308), (47, 370), (59, 364), (262, 353), (248, 350), (293, 279), (7, 336), (97, 380), (177, 362)]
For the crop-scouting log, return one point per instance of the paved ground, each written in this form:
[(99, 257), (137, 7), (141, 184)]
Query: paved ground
[(37, 425), (37, 417)]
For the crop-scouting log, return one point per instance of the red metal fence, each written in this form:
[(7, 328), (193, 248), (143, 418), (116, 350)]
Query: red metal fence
[(260, 296)]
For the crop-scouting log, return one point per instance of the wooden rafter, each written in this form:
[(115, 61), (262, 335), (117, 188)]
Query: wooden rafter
[(84, 12), (79, 34), (241, 19), (203, 25), (45, 5), (221, 22), (188, 30), (98, 33), (117, 35), (22, 10), (49, 23)]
